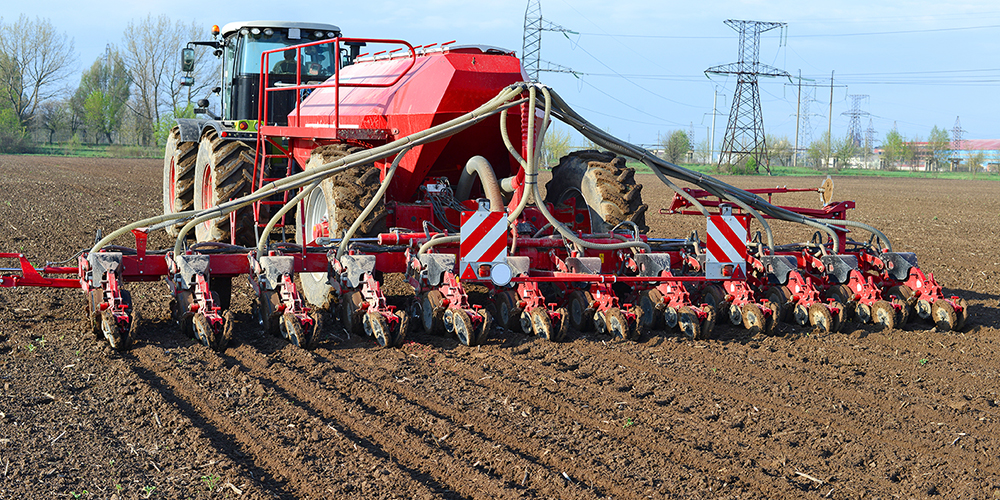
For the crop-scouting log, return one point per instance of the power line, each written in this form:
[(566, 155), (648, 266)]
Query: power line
[(872, 33)]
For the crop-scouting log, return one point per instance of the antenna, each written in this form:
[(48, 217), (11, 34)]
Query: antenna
[(744, 137)]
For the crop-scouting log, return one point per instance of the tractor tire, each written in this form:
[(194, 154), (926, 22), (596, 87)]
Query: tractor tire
[(223, 172), (178, 176), (339, 201), (601, 182)]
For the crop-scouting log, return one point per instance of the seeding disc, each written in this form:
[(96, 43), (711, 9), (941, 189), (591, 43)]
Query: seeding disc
[(963, 315), (802, 316), (461, 324), (202, 329), (581, 316), (707, 326), (651, 317)]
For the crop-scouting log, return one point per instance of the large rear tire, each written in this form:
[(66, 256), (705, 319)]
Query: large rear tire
[(339, 201), (223, 171), (178, 176), (601, 182)]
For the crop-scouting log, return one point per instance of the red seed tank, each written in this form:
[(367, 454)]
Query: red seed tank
[(440, 86)]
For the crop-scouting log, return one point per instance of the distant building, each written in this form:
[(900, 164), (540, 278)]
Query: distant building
[(957, 159)]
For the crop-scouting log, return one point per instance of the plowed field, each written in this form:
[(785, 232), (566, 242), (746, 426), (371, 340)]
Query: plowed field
[(907, 413)]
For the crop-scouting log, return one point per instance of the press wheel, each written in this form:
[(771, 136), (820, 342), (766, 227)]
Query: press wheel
[(617, 326), (291, 329), (820, 317), (771, 324), (963, 315), (843, 295), (687, 322), (943, 314), (508, 314), (904, 295), (884, 314), (780, 295), (482, 332), (202, 329), (753, 318), (541, 323), (377, 327)]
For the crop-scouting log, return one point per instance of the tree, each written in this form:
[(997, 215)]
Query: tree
[(938, 147), (843, 150), (818, 151), (151, 51), (676, 147), (35, 60), (555, 145), (703, 152), (779, 150), (976, 161), (893, 149), (102, 94), (54, 117)]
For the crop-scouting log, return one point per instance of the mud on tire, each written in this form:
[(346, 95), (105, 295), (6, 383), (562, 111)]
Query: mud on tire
[(178, 175), (223, 171), (340, 200), (603, 182)]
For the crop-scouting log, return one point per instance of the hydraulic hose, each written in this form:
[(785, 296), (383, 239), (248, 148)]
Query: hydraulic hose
[(479, 166)]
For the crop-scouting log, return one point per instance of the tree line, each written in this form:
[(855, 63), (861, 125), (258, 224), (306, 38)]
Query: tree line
[(129, 95)]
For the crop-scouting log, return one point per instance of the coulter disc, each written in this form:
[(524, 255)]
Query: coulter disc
[(820, 317), (753, 318)]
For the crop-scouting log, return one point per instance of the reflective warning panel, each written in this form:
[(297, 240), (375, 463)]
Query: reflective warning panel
[(483, 243), (726, 256)]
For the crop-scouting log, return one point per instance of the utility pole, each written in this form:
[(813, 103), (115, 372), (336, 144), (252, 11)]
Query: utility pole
[(798, 105), (829, 125), (711, 147), (744, 139)]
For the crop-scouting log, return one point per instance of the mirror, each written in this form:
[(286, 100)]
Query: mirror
[(187, 81), (187, 59)]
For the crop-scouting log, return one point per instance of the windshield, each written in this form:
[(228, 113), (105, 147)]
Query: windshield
[(316, 60)]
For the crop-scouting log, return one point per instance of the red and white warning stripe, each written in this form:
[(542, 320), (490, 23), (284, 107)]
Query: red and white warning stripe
[(483, 237), (727, 238)]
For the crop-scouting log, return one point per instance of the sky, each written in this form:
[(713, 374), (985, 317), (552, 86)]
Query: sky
[(639, 65)]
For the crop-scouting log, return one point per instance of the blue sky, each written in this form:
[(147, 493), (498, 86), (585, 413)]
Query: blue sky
[(641, 64)]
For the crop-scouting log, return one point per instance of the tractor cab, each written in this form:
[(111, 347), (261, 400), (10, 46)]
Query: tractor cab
[(241, 44)]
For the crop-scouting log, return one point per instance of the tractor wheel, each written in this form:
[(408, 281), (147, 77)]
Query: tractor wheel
[(601, 182), (178, 176), (223, 172), (338, 202)]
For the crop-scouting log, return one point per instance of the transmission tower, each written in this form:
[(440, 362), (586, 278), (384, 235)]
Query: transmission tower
[(531, 51), (870, 137), (805, 135), (854, 128), (956, 136), (744, 137)]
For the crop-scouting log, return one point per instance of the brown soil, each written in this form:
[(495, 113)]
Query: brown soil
[(908, 413)]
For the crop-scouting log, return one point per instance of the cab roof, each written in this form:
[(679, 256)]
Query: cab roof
[(236, 26)]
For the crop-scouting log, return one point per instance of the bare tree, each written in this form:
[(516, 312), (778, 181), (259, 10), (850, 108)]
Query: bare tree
[(54, 117), (35, 61), (151, 49)]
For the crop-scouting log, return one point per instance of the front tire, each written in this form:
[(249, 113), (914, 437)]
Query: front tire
[(223, 172), (178, 176)]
